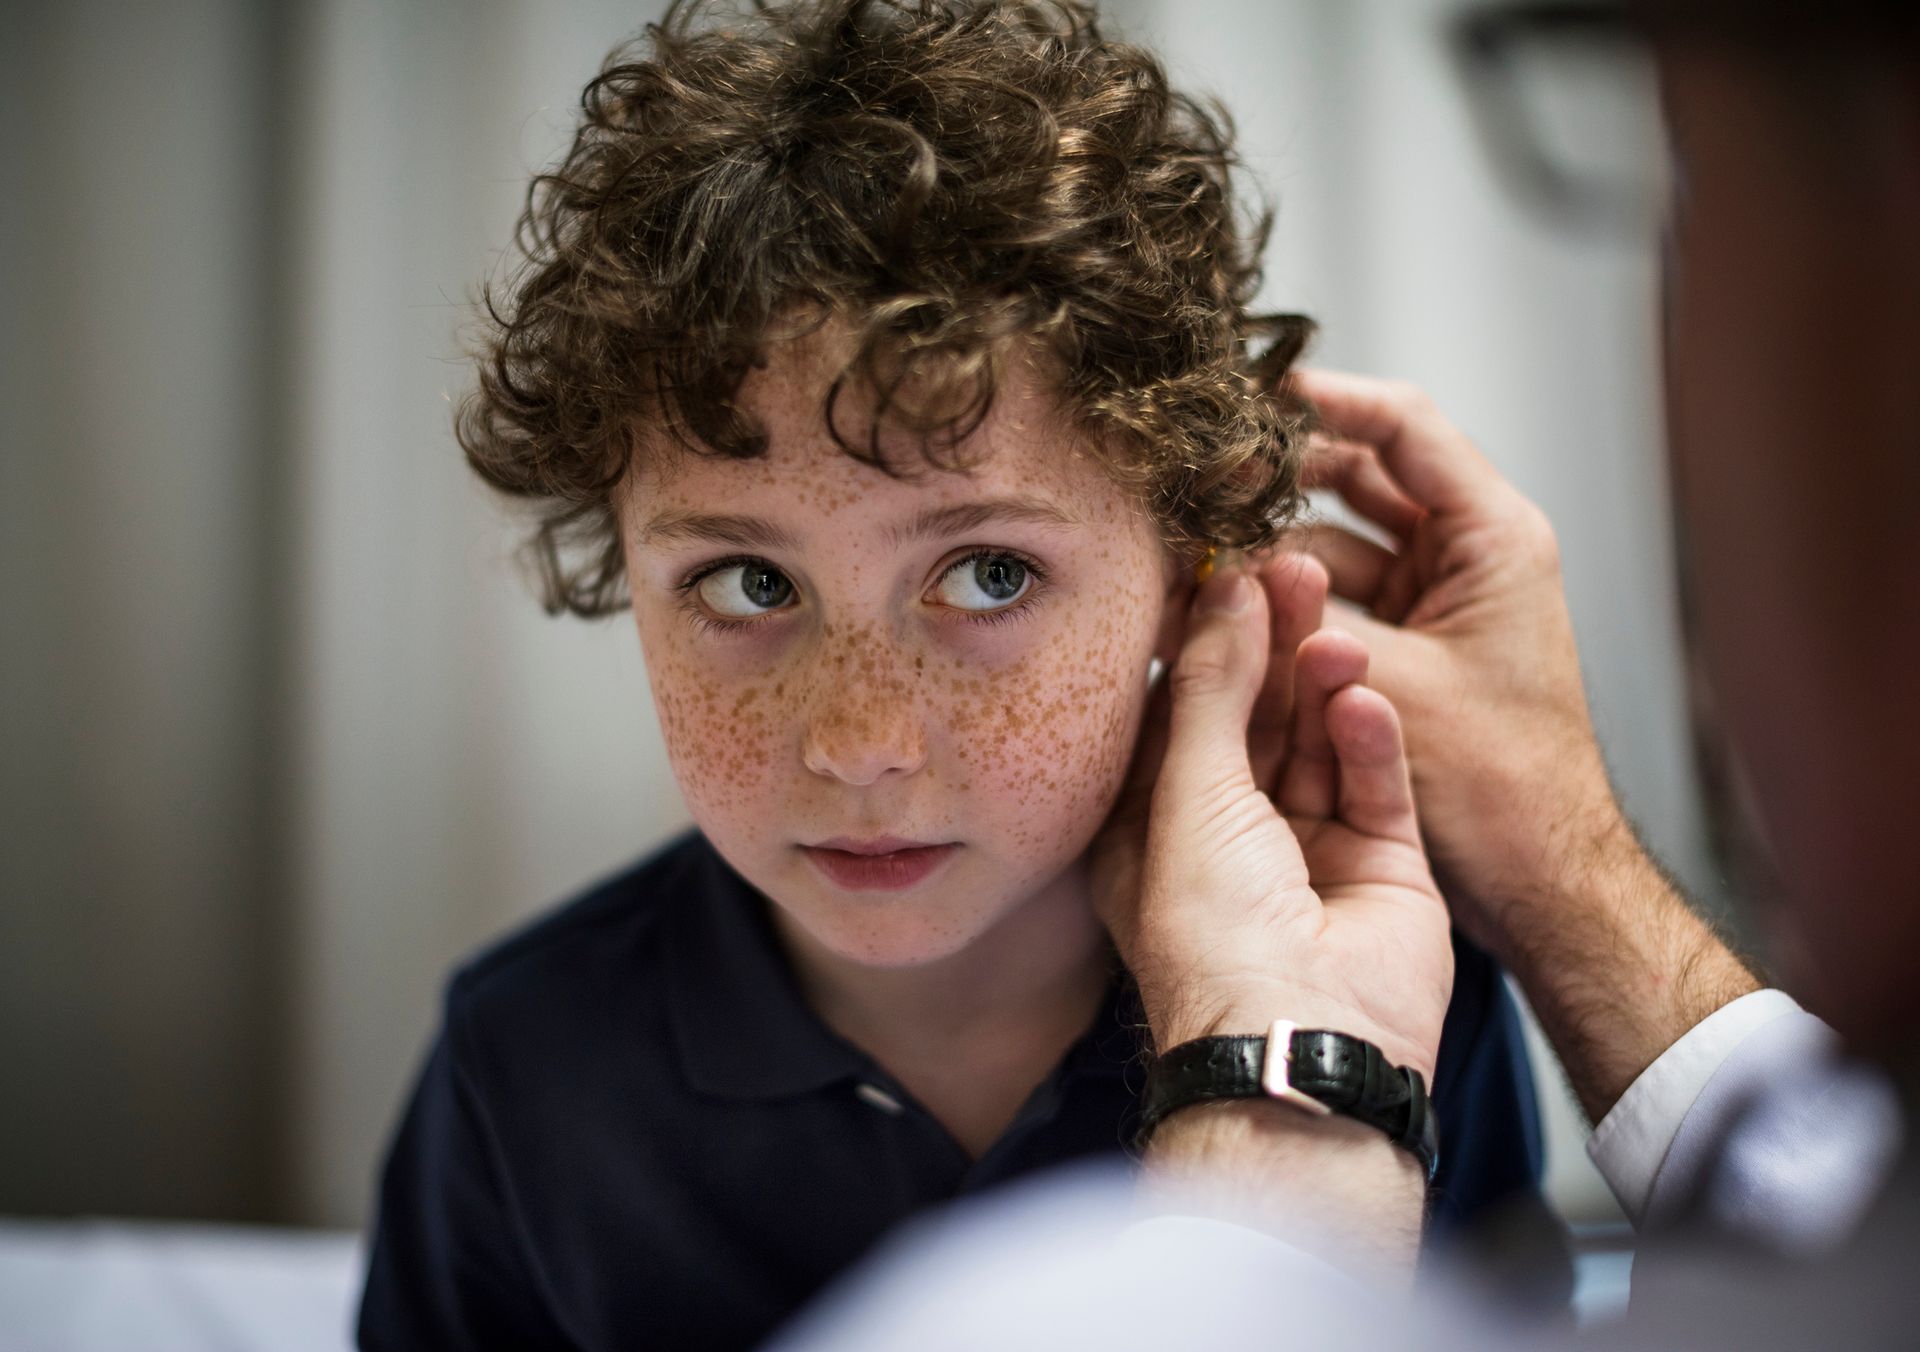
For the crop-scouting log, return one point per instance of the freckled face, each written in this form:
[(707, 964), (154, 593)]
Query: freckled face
[(948, 659)]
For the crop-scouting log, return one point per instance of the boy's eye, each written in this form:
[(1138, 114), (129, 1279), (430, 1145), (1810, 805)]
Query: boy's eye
[(744, 590), (984, 582)]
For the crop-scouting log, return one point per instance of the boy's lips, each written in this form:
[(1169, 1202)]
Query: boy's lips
[(874, 845), (882, 863)]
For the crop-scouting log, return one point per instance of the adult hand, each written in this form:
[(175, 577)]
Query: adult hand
[(1468, 627), (1264, 860), (1467, 623)]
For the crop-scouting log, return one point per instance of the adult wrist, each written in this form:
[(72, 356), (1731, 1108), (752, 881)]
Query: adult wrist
[(1316, 1071), (1246, 1010), (1202, 1126), (1332, 1184)]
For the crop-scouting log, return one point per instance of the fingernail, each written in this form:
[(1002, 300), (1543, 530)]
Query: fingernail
[(1224, 592)]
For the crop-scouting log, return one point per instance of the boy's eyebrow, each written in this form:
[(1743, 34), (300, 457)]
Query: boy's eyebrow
[(752, 532), (742, 532), (962, 517)]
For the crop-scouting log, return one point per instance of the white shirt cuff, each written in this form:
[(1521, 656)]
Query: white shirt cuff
[(1631, 1143)]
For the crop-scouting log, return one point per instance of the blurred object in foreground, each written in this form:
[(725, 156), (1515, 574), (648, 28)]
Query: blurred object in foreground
[(98, 1286)]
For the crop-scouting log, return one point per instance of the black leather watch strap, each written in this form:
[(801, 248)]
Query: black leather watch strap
[(1339, 1073)]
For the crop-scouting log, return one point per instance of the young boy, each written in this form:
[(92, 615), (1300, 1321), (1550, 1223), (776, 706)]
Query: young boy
[(892, 362)]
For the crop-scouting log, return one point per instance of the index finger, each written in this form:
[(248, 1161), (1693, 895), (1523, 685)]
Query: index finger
[(1428, 457), (1295, 585)]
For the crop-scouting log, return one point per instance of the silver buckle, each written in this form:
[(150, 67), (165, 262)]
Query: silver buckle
[(1274, 1071)]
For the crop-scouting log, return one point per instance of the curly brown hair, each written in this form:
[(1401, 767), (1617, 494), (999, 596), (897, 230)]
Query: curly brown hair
[(947, 177)]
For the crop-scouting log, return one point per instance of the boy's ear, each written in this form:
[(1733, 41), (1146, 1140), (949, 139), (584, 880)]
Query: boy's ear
[(1173, 616)]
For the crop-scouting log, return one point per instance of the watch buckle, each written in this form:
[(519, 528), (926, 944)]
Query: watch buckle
[(1276, 1070)]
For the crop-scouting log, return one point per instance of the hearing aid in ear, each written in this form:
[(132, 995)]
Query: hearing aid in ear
[(1213, 561)]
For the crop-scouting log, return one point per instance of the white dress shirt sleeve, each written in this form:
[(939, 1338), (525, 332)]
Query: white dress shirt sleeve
[(1632, 1142), (1757, 1125)]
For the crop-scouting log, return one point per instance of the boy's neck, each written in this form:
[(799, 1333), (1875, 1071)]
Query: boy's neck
[(1037, 977)]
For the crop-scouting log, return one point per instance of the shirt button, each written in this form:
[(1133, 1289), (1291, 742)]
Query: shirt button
[(879, 1098)]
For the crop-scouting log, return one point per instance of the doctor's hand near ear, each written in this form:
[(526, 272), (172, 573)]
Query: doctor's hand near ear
[(1264, 862), (1466, 621)]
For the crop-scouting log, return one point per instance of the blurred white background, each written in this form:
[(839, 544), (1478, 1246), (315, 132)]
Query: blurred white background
[(285, 734)]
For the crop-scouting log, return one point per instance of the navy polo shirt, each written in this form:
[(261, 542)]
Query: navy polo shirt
[(633, 1133)]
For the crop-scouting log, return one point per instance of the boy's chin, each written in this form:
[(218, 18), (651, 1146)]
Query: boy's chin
[(900, 934)]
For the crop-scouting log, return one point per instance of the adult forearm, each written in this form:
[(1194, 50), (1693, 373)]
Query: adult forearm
[(1327, 1184), (1613, 960)]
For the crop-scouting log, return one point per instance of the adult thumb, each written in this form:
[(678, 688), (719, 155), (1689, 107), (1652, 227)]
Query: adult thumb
[(1214, 683)]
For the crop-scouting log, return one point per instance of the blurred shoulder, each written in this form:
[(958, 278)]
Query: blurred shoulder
[(603, 937)]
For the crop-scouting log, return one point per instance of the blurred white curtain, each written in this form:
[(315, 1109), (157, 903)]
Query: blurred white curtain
[(461, 760), (136, 829), (440, 758)]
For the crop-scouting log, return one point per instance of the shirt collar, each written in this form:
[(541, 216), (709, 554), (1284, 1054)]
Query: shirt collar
[(744, 1032)]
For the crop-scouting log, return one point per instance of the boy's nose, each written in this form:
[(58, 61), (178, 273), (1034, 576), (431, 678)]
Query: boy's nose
[(861, 731)]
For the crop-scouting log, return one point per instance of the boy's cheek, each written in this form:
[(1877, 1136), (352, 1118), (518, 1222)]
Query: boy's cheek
[(1047, 796), (1044, 753), (721, 752), (720, 738)]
